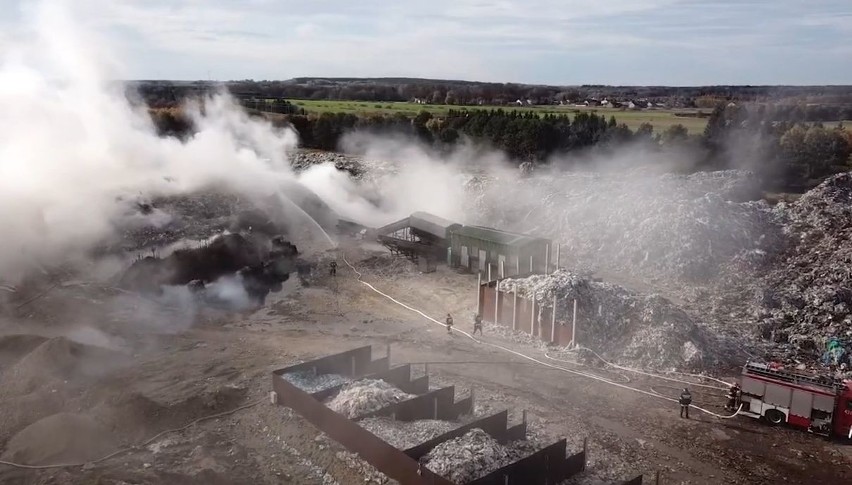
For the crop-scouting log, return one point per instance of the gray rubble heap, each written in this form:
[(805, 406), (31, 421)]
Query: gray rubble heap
[(405, 434), (365, 396), (311, 383), (806, 298), (629, 328), (468, 457), (666, 227)]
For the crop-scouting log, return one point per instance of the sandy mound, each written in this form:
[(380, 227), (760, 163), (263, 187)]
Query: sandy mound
[(13, 347), (61, 438), (58, 359)]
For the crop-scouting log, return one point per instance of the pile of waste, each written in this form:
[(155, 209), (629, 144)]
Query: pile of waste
[(406, 434), (634, 329), (311, 383), (303, 160), (657, 227), (365, 396), (468, 457), (805, 301)]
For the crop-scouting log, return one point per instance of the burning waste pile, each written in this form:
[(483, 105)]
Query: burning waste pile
[(231, 270), (365, 396), (805, 302), (634, 329), (670, 226), (471, 456), (311, 383), (406, 434)]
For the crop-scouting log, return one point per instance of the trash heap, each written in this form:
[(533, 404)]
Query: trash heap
[(311, 383), (624, 327), (806, 299), (657, 227), (468, 457), (365, 396), (406, 434)]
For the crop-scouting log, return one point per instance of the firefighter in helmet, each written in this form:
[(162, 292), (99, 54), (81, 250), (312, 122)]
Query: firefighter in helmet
[(733, 397), (685, 400), (477, 324), (449, 323)]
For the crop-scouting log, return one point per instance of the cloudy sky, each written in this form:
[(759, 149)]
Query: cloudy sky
[(664, 42)]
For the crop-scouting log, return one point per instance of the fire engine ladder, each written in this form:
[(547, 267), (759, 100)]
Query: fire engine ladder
[(782, 375)]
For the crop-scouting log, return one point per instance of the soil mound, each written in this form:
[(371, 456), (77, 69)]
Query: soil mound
[(60, 438), (57, 359), (13, 347)]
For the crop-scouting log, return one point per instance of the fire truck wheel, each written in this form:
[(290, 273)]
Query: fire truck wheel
[(774, 416)]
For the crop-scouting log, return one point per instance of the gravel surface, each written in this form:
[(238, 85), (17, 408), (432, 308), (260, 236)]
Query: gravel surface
[(405, 434)]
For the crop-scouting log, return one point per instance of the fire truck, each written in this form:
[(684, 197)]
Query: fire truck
[(821, 405)]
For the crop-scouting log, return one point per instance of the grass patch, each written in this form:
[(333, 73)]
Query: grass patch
[(661, 119)]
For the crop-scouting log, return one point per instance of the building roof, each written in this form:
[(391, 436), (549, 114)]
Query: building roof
[(497, 236), (431, 223)]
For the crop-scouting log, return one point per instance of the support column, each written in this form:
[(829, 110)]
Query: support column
[(531, 264), (517, 265), (497, 302), (558, 247), (574, 326), (532, 316), (553, 321), (502, 268), (478, 294), (515, 310), (546, 258)]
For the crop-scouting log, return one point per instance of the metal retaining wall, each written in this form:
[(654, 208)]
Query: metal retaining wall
[(523, 315), (547, 466)]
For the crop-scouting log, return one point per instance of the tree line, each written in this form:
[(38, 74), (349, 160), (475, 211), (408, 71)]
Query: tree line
[(788, 155)]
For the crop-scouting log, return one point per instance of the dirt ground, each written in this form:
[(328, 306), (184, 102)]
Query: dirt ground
[(95, 372)]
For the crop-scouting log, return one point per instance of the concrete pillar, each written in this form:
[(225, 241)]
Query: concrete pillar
[(517, 265), (531, 264), (502, 268), (553, 321), (478, 294), (489, 272), (387, 353), (558, 247), (515, 309), (497, 302), (532, 316), (546, 258), (574, 326)]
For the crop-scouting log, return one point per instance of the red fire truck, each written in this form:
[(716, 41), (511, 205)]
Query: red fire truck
[(818, 404)]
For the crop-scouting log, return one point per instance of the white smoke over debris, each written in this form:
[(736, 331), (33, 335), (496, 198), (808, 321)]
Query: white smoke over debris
[(71, 146)]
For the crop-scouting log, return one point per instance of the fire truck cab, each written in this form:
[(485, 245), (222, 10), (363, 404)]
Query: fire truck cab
[(820, 405)]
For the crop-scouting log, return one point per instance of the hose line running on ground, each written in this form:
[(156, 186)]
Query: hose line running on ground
[(523, 356)]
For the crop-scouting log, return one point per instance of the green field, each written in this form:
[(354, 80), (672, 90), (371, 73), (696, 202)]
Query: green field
[(660, 119)]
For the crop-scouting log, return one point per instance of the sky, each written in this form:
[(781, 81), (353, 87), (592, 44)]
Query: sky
[(564, 42)]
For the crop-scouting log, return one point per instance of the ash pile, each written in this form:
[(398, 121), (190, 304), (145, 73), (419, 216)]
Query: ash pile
[(804, 304), (311, 383), (669, 227), (471, 456), (365, 396), (624, 327)]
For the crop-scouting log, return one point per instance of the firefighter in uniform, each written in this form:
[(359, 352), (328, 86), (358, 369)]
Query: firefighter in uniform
[(449, 323), (685, 400), (333, 268), (477, 324), (733, 397)]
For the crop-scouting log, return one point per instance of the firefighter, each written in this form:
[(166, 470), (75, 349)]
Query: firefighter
[(733, 397), (332, 268), (449, 323), (685, 400), (477, 324)]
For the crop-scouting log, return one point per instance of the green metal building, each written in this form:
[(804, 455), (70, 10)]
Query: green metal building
[(508, 253)]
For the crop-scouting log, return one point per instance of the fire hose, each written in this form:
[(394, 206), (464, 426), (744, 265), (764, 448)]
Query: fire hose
[(524, 356)]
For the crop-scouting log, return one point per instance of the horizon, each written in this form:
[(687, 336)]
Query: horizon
[(672, 43)]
